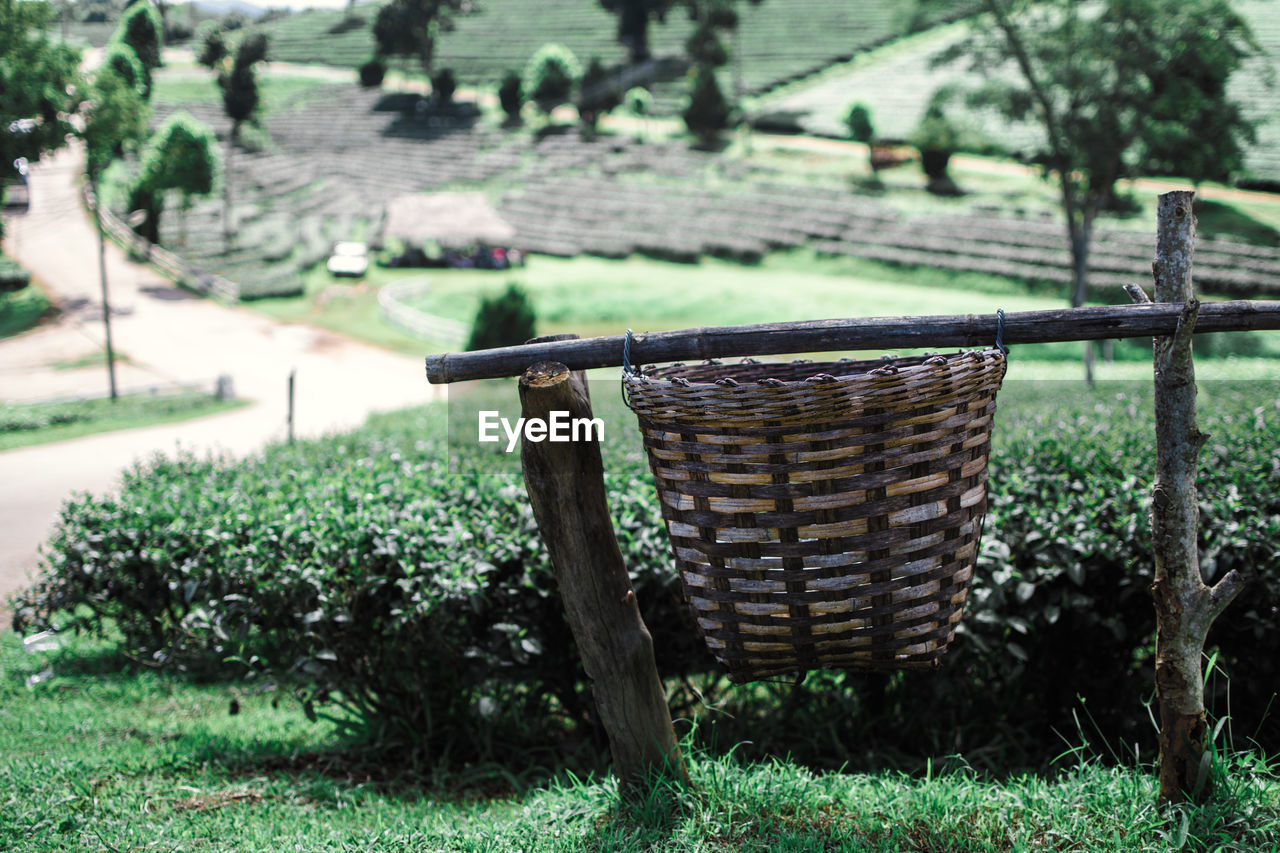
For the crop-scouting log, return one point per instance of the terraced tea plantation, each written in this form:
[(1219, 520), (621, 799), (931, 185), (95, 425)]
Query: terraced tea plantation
[(776, 42), (316, 185), (897, 82), (615, 197), (614, 217)]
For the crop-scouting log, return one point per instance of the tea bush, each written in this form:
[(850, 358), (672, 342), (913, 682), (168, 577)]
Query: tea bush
[(365, 566), (1062, 607), (400, 575)]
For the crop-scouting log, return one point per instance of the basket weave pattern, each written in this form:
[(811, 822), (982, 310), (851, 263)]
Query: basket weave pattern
[(823, 516)]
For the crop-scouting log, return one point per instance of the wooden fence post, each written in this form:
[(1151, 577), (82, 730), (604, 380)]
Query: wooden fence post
[(565, 481), (1185, 606)]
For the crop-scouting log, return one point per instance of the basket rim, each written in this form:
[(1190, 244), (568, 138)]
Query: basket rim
[(839, 370)]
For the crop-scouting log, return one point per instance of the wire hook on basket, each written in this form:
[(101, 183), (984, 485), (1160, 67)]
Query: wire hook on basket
[(627, 368), (1004, 350)]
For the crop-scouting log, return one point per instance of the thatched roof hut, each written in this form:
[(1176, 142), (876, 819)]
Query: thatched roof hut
[(453, 220)]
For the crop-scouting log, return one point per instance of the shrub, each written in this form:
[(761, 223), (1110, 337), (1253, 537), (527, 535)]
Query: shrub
[(504, 320), (372, 72), (404, 578), (937, 139), (121, 58), (550, 76), (141, 30), (859, 123), (13, 276), (443, 85), (638, 101), (1062, 607), (413, 592), (510, 96), (707, 114)]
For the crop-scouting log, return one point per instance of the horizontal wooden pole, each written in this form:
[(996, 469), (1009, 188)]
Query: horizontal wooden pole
[(1091, 323)]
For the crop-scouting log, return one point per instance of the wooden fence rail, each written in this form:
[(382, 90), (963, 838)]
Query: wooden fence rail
[(417, 322), (173, 267), (875, 333)]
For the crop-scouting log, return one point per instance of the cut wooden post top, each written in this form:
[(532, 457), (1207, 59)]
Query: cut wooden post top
[(545, 374)]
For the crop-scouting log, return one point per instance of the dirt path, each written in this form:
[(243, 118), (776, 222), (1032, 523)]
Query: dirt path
[(168, 335)]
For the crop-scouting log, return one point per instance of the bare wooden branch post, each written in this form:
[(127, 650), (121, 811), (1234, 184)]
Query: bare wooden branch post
[(1185, 606), (565, 481)]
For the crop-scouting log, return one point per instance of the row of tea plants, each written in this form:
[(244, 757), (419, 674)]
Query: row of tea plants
[(394, 580)]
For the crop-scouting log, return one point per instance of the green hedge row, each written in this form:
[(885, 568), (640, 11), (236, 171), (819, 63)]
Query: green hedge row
[(402, 577)]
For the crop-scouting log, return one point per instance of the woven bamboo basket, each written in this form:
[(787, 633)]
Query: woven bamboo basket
[(823, 516)]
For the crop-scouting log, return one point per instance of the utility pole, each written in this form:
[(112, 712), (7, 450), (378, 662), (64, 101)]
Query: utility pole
[(106, 303)]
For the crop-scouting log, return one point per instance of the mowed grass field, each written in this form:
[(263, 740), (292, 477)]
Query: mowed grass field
[(591, 297)]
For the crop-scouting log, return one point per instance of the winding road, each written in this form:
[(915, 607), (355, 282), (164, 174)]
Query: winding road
[(168, 336)]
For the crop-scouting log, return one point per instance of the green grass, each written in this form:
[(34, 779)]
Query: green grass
[(98, 752), (1257, 224), (591, 296), (183, 86), (347, 309), (22, 310), (27, 424), (594, 296), (98, 358)]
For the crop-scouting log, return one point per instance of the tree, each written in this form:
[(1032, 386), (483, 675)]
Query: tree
[(1196, 131), (181, 157), (38, 80), (121, 59), (639, 104), (598, 94), (704, 47), (240, 99), (504, 320), (1113, 87), (510, 96), (213, 44), (372, 72), (410, 27), (115, 119), (859, 123), (237, 77), (633, 23), (141, 29), (708, 112), (443, 85), (936, 138), (550, 76)]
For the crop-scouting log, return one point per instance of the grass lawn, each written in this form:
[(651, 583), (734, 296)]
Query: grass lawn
[(347, 308), (101, 753), (592, 296), (196, 85), (22, 310), (27, 424)]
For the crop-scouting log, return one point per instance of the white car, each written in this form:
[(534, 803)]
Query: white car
[(349, 259)]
